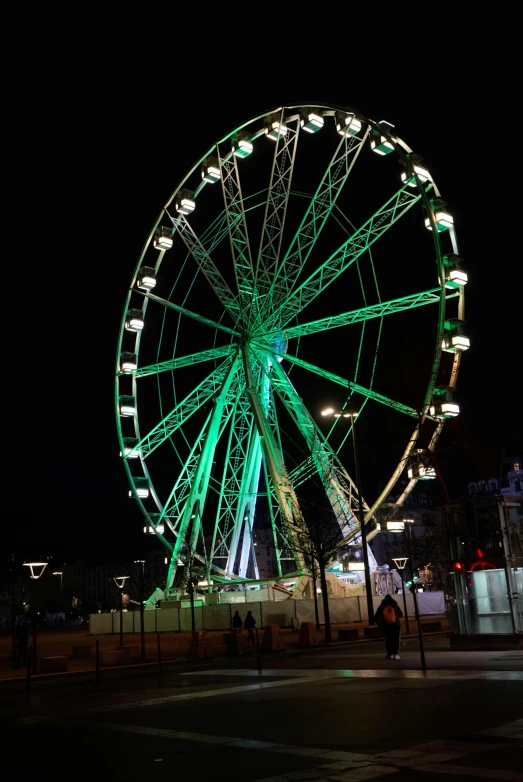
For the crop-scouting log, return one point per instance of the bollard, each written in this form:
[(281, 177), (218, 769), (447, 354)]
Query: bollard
[(28, 672), (258, 652), (97, 662), (159, 656)]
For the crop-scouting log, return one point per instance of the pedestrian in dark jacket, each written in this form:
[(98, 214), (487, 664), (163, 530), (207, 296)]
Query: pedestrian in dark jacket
[(250, 624), (237, 620), (388, 618)]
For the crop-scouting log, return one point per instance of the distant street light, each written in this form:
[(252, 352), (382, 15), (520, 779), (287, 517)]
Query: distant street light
[(36, 574), (59, 573), (120, 583), (37, 571), (141, 563), (352, 415)]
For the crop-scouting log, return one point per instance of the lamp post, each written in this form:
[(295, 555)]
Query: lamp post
[(120, 583), (353, 414), (416, 611), (141, 563), (37, 571), (59, 573), (400, 563)]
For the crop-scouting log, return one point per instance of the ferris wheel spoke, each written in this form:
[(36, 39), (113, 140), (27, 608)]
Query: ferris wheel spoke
[(283, 489), (378, 310), (189, 313), (181, 489), (276, 210), (355, 387), (208, 267), (238, 235), (226, 530), (184, 361), (186, 408), (349, 251), (190, 526), (338, 485), (318, 211)]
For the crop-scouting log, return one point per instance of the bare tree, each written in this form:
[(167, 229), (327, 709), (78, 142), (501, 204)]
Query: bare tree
[(193, 572), (317, 536)]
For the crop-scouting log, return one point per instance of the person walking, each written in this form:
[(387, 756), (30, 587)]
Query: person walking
[(237, 622), (250, 624), (388, 618)]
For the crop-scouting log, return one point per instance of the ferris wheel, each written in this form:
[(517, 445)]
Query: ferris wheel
[(307, 253)]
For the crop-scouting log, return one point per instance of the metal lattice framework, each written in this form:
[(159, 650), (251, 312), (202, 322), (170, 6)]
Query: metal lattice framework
[(283, 219)]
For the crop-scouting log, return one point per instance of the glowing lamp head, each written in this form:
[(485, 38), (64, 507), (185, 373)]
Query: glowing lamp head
[(36, 568)]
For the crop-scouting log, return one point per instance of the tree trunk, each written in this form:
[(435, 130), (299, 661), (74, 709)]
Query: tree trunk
[(315, 594), (325, 597), (193, 620)]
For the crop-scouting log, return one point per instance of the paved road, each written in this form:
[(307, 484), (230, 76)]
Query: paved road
[(343, 713)]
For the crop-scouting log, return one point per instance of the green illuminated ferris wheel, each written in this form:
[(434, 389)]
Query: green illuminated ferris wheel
[(290, 267)]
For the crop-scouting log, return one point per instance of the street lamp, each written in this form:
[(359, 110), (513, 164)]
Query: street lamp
[(37, 571), (141, 564), (120, 583), (353, 414), (400, 563), (401, 567), (59, 573)]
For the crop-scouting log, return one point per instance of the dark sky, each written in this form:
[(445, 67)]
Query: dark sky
[(112, 161)]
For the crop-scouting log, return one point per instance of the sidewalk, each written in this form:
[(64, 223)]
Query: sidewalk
[(174, 646)]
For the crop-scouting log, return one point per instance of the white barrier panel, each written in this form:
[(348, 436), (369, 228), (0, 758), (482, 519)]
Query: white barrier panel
[(279, 613), (344, 609), (218, 617), (284, 613), (149, 621), (431, 603), (305, 610), (186, 619), (100, 624), (167, 620)]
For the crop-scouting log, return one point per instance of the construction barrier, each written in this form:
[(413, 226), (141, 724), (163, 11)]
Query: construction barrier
[(273, 639), (235, 643), (308, 636), (199, 647)]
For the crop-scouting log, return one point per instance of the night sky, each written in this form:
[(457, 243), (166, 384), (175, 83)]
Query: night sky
[(112, 162)]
